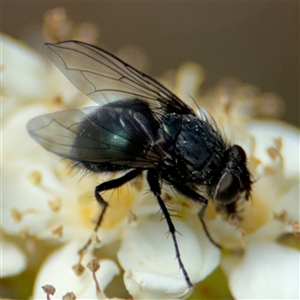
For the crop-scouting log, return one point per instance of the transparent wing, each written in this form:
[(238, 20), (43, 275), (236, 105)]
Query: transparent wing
[(80, 136), (105, 78), (57, 132)]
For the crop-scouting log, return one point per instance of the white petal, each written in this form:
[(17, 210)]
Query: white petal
[(24, 71), (188, 80), (16, 141), (267, 271), (13, 260), (57, 271), (22, 156), (28, 77), (154, 286), (32, 202), (291, 202), (146, 249), (266, 131)]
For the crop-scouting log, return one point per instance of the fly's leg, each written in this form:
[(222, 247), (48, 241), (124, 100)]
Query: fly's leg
[(191, 194), (208, 234), (156, 190), (105, 186), (188, 192)]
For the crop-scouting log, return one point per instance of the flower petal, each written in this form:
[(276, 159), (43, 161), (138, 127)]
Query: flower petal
[(13, 260), (267, 271), (24, 71), (22, 158), (145, 285), (146, 250), (57, 271), (265, 132)]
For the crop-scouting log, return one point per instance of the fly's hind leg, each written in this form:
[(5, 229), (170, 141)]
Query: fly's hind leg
[(105, 186)]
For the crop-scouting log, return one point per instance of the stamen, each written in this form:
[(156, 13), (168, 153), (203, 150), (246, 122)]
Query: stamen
[(94, 266), (49, 290), (69, 296), (78, 269), (58, 231), (55, 204), (18, 215)]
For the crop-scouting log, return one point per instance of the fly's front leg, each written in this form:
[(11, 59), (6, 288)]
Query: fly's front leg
[(155, 187), (105, 186), (191, 194)]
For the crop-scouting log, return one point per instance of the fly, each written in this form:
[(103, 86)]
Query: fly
[(139, 126)]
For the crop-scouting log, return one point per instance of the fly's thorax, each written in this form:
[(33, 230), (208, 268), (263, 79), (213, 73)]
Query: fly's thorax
[(194, 149)]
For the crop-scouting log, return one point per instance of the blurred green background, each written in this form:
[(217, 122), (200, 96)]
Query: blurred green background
[(256, 42)]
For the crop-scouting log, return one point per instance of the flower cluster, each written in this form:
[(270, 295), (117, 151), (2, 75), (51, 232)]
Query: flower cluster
[(49, 207)]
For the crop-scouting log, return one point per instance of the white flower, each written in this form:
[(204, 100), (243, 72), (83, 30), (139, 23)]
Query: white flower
[(256, 264), (267, 269)]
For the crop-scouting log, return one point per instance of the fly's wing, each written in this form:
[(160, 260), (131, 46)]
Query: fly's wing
[(96, 135), (103, 77), (56, 132)]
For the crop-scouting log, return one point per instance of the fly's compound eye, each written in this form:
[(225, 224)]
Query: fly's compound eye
[(228, 189)]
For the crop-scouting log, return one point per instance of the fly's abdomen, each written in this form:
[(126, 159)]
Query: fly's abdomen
[(118, 133)]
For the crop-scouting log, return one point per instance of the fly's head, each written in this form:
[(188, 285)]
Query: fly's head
[(235, 179)]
